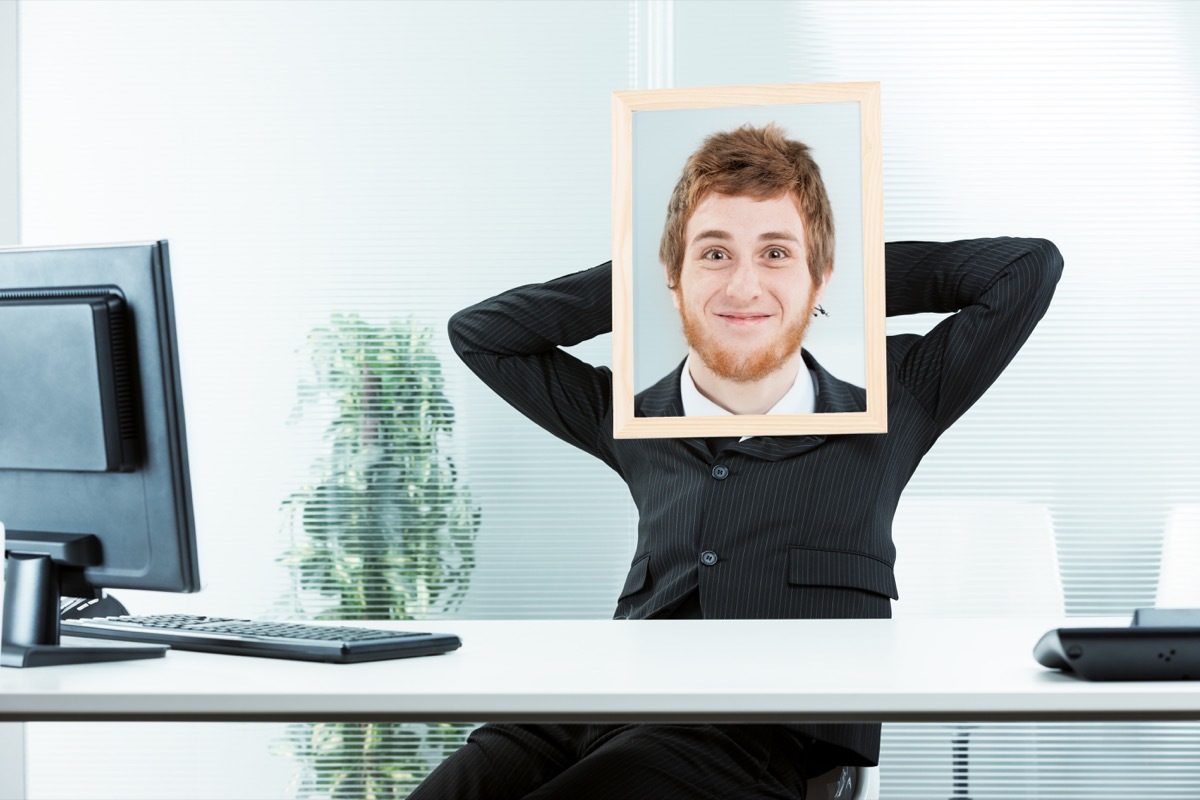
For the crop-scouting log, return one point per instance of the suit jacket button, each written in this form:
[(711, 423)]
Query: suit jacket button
[(720, 472), (708, 558)]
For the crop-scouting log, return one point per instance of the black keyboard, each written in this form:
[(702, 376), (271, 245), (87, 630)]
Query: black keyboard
[(243, 637)]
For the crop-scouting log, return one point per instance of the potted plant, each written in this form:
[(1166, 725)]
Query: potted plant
[(386, 531)]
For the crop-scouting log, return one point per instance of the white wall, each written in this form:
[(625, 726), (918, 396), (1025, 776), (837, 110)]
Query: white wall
[(9, 155), (12, 735)]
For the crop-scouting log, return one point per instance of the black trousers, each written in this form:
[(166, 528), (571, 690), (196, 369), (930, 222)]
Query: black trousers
[(627, 762), (621, 762)]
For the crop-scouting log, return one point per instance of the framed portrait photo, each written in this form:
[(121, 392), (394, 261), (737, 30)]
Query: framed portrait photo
[(748, 261)]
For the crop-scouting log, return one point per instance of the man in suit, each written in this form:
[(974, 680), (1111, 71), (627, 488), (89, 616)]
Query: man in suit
[(764, 527)]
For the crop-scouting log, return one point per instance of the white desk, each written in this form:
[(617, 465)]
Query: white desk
[(728, 670)]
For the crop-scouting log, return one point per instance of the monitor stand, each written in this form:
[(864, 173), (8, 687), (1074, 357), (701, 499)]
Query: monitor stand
[(38, 566)]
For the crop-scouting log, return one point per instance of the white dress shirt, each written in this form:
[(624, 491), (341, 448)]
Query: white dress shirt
[(801, 398)]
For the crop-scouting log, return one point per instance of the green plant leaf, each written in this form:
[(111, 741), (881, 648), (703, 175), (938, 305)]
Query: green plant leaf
[(384, 530)]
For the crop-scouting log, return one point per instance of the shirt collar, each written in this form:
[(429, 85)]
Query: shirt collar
[(801, 398)]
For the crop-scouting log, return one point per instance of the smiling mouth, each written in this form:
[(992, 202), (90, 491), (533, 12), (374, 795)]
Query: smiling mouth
[(744, 319)]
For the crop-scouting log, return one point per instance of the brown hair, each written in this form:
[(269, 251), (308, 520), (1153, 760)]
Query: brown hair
[(756, 162)]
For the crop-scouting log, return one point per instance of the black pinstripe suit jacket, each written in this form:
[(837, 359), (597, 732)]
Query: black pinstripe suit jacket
[(800, 525)]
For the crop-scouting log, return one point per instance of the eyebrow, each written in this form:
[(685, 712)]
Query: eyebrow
[(762, 237)]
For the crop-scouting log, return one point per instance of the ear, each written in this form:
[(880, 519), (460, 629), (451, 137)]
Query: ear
[(825, 279), (673, 287)]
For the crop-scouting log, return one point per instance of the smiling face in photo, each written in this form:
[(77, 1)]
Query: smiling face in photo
[(745, 293)]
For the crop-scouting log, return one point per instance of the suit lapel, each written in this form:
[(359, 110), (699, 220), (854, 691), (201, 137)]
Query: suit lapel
[(663, 398), (833, 395)]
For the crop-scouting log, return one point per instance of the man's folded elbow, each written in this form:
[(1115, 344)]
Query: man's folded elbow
[(1045, 269), (1039, 263), (456, 330), (1049, 257)]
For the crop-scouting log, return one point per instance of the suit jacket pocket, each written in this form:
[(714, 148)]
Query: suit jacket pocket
[(638, 573), (810, 566)]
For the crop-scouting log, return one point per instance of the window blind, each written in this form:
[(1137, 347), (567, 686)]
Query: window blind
[(1076, 122)]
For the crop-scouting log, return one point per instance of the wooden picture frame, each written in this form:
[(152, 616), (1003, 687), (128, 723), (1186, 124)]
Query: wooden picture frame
[(654, 133)]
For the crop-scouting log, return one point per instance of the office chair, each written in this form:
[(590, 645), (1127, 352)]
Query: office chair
[(973, 557), (846, 783), (1177, 584)]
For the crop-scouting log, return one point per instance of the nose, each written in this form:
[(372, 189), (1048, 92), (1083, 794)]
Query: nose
[(743, 282)]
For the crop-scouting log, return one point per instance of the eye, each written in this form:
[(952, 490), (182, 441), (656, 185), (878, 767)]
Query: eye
[(777, 252), (720, 255)]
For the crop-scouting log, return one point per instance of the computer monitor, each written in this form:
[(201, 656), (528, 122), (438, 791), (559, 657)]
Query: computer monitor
[(94, 488)]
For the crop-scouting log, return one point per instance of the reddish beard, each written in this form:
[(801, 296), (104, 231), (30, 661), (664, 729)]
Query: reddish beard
[(733, 366)]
